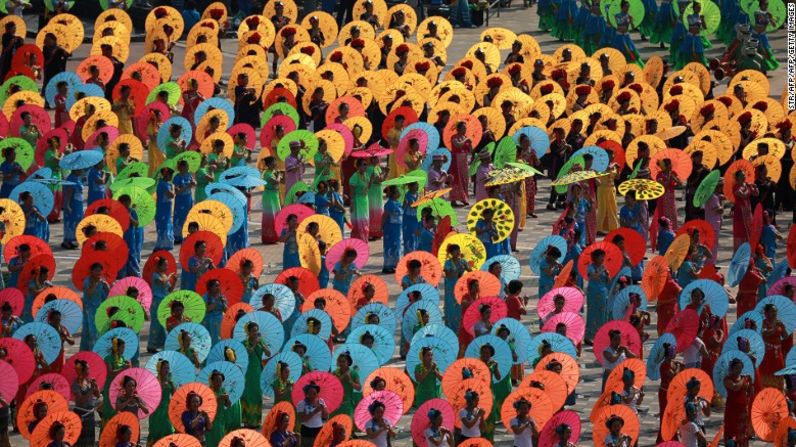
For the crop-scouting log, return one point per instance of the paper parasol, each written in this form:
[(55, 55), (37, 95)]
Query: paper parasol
[(270, 327), (108, 437), (383, 342), (47, 338), (557, 342), (472, 315), (519, 338), (336, 252), (42, 197), (722, 366), (234, 380), (49, 381), (553, 385), (341, 421), (317, 356), (703, 228), (575, 325), (786, 310), (331, 390), (638, 368), (548, 437), (541, 406), (622, 307), (756, 347), (270, 421), (657, 355), (356, 293), (182, 369), (300, 211), (396, 381), (10, 385), (72, 427), (573, 301), (631, 422), (430, 270), (229, 350), (411, 316), (285, 300), (120, 309), (473, 250), (20, 357), (613, 258), (438, 330), (14, 298), (147, 389), (630, 338), (230, 282), (677, 251), (502, 352), (485, 397), (55, 402), (393, 408), (510, 267), (739, 264), (268, 376), (328, 230), (178, 439), (122, 286), (315, 320), (706, 188), (489, 285), (214, 252), (143, 203), (71, 314), (715, 296), (420, 420), (376, 312), (443, 353), (503, 217), (200, 339), (246, 254), (633, 242), (538, 253), (151, 263), (248, 437), (179, 403), (194, 306)]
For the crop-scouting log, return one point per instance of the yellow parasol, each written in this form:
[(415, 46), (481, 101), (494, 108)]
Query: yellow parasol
[(13, 217), (328, 230), (102, 223), (644, 189), (503, 217), (576, 177), (678, 251), (217, 209), (473, 250)]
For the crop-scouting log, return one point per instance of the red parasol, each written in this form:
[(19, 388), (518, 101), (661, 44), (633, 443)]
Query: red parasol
[(10, 383), (37, 246), (336, 252), (308, 281), (706, 233), (230, 318), (297, 209), (397, 381), (107, 244), (246, 129), (246, 254), (28, 54), (576, 325), (472, 315), (82, 268), (355, 108), (331, 389), (113, 208), (204, 81), (215, 249), (147, 388), (613, 258), (151, 264), (473, 131), (138, 92), (633, 242), (20, 357), (41, 144), (563, 277), (39, 117), (684, 326), (280, 94), (768, 409), (230, 282), (393, 408), (681, 163), (55, 402), (268, 132), (97, 370), (31, 269), (14, 298), (656, 273), (617, 150), (443, 229), (420, 421), (408, 113), (103, 65), (630, 338), (729, 176)]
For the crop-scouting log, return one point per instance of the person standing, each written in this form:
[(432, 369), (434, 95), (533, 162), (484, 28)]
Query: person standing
[(183, 198), (163, 212)]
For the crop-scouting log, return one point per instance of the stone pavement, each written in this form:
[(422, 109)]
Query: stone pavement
[(519, 20)]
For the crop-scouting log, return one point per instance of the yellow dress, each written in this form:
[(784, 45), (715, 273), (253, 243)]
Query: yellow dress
[(124, 111), (280, 167), (156, 156), (523, 207), (606, 201), (393, 138)]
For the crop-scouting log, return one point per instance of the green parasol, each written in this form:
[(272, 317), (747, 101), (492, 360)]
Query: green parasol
[(710, 12), (280, 108), (525, 167), (119, 308), (439, 208), (310, 145), (142, 202), (134, 169), (477, 163), (421, 176), (292, 195), (193, 158), (104, 4), (506, 152), (402, 180), (170, 163), (636, 11), (194, 306), (22, 148), (706, 188), (138, 182), (173, 90), (775, 7), (566, 169), (23, 82)]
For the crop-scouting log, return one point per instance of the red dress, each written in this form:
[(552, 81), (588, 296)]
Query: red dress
[(747, 290), (774, 360), (667, 371), (741, 216), (667, 304), (736, 412), (460, 170)]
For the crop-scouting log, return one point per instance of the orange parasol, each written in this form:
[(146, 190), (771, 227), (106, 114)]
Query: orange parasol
[(638, 367), (231, 318), (488, 283), (235, 262), (178, 404), (729, 177), (768, 408), (338, 422), (270, 420), (72, 427), (356, 293), (108, 436), (178, 439), (656, 273), (677, 387), (781, 436), (570, 371), (541, 406), (673, 417), (681, 163), (551, 383), (248, 437), (356, 443), (430, 270), (396, 381), (55, 402), (677, 251), (336, 305), (563, 276), (308, 281), (473, 130), (485, 397), (454, 375), (631, 425), (476, 442)]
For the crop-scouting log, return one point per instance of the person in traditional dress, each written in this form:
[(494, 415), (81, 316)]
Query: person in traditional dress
[(163, 212), (596, 294), (740, 392), (360, 212), (742, 212), (252, 399), (376, 174), (622, 41), (775, 337), (462, 148), (95, 291), (392, 223), (762, 20)]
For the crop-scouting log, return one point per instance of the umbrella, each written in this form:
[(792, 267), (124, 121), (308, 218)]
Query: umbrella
[(14, 298), (420, 136), (464, 368), (336, 252), (300, 211), (621, 302), (507, 176), (179, 403), (573, 301), (396, 380), (301, 326), (575, 325), (246, 254), (328, 230), (164, 133), (108, 437), (325, 436), (703, 229), (138, 182), (214, 252), (80, 160), (179, 439), (539, 251), (575, 177), (144, 292), (489, 284), (230, 350), (406, 298), (104, 344), (630, 338), (431, 133), (37, 246), (317, 356), (420, 420), (43, 197), (656, 355), (752, 319), (553, 385), (33, 267), (285, 300), (444, 354), (678, 251), (630, 418), (485, 401), (778, 288), (247, 436), (213, 208), (645, 189), (472, 249), (309, 144), (386, 317), (548, 437), (613, 258), (684, 326), (193, 303), (505, 152), (20, 357), (56, 403), (271, 329), (715, 296), (706, 188), (142, 201), (437, 330), (786, 310), (383, 342), (214, 103), (393, 408), (541, 405), (776, 275), (47, 338), (120, 308), (10, 384), (182, 369), (269, 375), (71, 314), (356, 293), (656, 273), (134, 170), (237, 207), (600, 159), (540, 141), (430, 270), (558, 344), (739, 264), (637, 366), (234, 380), (756, 347), (331, 390), (509, 267), (768, 409), (238, 178), (230, 282), (681, 163), (722, 367), (502, 352), (503, 217), (473, 313), (70, 77), (72, 426), (427, 161), (439, 208), (50, 381), (200, 339), (147, 388), (633, 243), (519, 337)]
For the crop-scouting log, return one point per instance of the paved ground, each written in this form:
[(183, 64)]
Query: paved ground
[(520, 21)]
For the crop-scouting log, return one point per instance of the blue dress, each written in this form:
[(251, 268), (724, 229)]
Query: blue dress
[(492, 249), (407, 282), (212, 321), (453, 310), (343, 277), (596, 302), (322, 204), (546, 281), (35, 226), (622, 40), (157, 333), (582, 210), (769, 240), (73, 217), (13, 277), (240, 238), (665, 239), (337, 215), (96, 191), (91, 302), (411, 225), (290, 254), (11, 177), (323, 276), (133, 266), (249, 286), (685, 274), (426, 242), (183, 202), (188, 278), (163, 219), (393, 221)]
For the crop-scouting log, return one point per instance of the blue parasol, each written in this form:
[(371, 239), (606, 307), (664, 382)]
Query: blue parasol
[(540, 141), (599, 157), (200, 339), (510, 267), (84, 90), (383, 340), (71, 314), (308, 198), (268, 375), (47, 338), (715, 296), (186, 131), (558, 343), (80, 160), (284, 299), (426, 166), (238, 209), (300, 326), (757, 348), (410, 319), (385, 315), (105, 342), (43, 197), (182, 369), (657, 356), (739, 264), (242, 177), (429, 129), (427, 293), (41, 174), (786, 310), (234, 347), (72, 80), (624, 271), (538, 253), (318, 354), (502, 355), (752, 317), (365, 360), (439, 331), (444, 354), (722, 366), (622, 301), (234, 380), (211, 104), (217, 187), (519, 338), (271, 329)]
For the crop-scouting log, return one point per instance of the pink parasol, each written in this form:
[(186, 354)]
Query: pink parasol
[(268, 132), (403, 146), (777, 289), (246, 129), (336, 252), (142, 117), (41, 144), (14, 298), (38, 116), (147, 388), (331, 389), (630, 338), (348, 137), (20, 357), (97, 370), (573, 301), (576, 326), (299, 210), (144, 297), (473, 313), (10, 383), (374, 150), (111, 131), (684, 326), (548, 436), (420, 420), (393, 408), (51, 381)]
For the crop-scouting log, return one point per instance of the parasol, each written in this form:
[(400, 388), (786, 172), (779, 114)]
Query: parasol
[(622, 306), (181, 369), (271, 329), (377, 311), (48, 341), (331, 390), (179, 403), (234, 380), (393, 408), (200, 339), (194, 306), (317, 356), (147, 389), (229, 350), (502, 352), (629, 338), (739, 264), (722, 367), (383, 343), (71, 314), (715, 296)]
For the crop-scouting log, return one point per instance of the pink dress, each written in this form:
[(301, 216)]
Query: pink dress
[(741, 215), (666, 206), (460, 169), (481, 177)]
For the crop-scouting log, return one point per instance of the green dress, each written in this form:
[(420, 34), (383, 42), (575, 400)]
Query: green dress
[(51, 162), (500, 390), (375, 202), (159, 423), (252, 400), (271, 207), (360, 214), (282, 391), (213, 436), (428, 389), (115, 366), (201, 181), (323, 167), (232, 417), (351, 397)]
